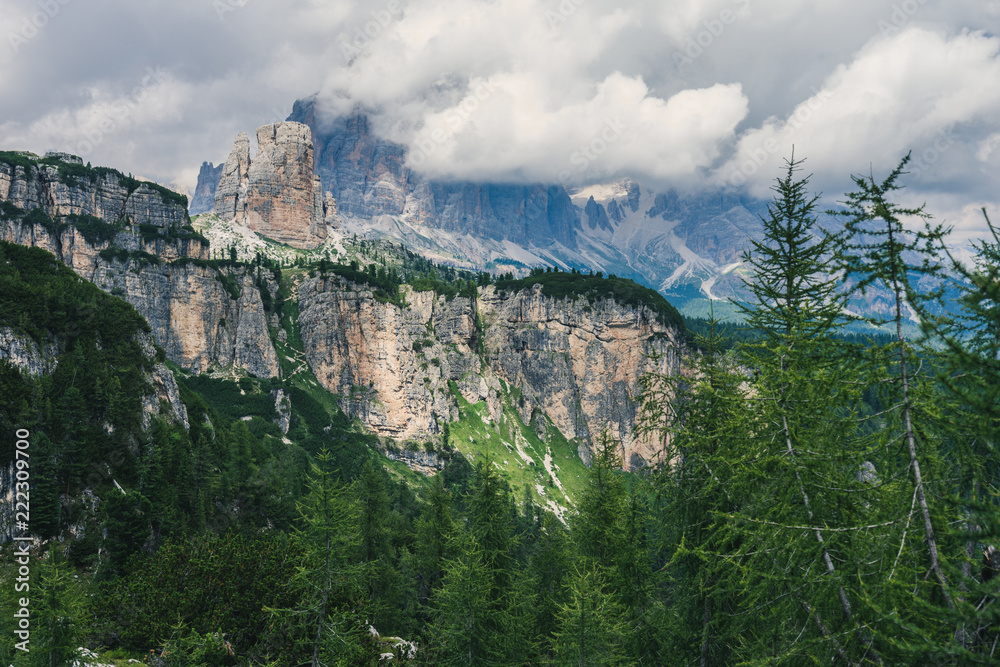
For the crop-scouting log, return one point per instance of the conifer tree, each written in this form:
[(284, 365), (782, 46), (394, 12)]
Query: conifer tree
[(381, 578), (969, 370), (467, 620), (592, 630), (549, 569), (703, 422), (326, 623), (435, 532), (885, 257), (56, 611), (807, 461)]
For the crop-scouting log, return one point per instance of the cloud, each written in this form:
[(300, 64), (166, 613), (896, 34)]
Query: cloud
[(916, 90), (512, 125), (672, 92)]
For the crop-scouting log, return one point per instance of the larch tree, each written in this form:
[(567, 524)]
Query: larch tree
[(806, 472), (886, 257)]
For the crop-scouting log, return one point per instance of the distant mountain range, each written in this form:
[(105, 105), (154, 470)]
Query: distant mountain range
[(685, 246)]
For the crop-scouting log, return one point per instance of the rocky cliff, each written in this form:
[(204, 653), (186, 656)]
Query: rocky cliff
[(60, 185), (567, 362), (578, 363), (201, 312), (276, 193), (390, 365), (203, 200)]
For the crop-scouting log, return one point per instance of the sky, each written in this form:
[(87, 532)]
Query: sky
[(689, 94)]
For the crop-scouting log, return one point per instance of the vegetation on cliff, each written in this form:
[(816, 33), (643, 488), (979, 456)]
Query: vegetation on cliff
[(572, 285), (76, 174)]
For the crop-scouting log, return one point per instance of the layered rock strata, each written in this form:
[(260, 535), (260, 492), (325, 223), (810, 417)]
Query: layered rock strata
[(61, 186), (578, 363), (573, 363), (201, 315), (391, 366)]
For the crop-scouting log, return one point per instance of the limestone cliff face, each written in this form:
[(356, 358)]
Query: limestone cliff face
[(275, 193), (195, 319), (230, 194), (26, 355), (578, 363), (575, 363), (204, 193), (60, 186), (390, 365), (192, 313)]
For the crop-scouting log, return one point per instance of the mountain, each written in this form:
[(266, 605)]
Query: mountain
[(276, 192), (203, 199), (133, 239), (687, 246), (525, 373), (681, 245)]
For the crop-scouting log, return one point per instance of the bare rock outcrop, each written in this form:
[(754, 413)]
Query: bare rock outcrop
[(275, 193), (60, 185), (201, 314), (578, 363), (193, 316), (573, 363), (391, 366), (204, 193), (26, 355)]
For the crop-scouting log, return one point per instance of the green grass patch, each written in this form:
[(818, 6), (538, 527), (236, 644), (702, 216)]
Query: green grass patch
[(503, 442)]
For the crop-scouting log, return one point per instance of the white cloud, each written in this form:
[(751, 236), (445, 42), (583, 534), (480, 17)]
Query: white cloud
[(513, 125), (816, 73), (915, 90)]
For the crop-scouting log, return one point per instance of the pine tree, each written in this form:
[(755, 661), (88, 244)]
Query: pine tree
[(435, 532), (326, 624), (969, 370), (56, 611), (467, 618), (381, 578), (592, 631), (127, 527), (548, 569)]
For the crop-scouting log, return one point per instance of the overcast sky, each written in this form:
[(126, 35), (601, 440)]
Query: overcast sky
[(685, 93)]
